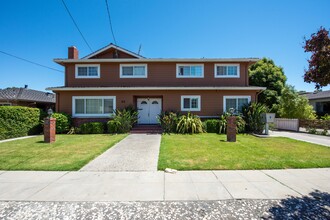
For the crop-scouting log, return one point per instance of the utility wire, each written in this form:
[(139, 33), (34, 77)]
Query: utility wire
[(29, 61), (75, 23), (110, 23)]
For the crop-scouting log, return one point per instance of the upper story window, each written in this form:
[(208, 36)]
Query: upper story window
[(93, 106), (226, 70), (235, 102), (87, 71), (133, 70), (189, 70), (191, 103)]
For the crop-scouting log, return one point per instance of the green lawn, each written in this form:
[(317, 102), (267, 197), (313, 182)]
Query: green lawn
[(211, 151), (69, 152)]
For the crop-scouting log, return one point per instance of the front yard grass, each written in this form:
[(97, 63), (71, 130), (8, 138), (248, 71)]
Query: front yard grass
[(211, 151), (69, 152)]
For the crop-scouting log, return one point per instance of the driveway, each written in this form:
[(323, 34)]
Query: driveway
[(137, 152), (311, 138)]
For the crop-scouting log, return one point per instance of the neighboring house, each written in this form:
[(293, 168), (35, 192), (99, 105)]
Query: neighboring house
[(27, 97), (113, 77), (320, 101)]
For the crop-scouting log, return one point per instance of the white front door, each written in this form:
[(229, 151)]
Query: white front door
[(149, 109)]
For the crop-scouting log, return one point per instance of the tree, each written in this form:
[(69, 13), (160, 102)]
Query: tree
[(318, 71), (266, 74), (293, 105)]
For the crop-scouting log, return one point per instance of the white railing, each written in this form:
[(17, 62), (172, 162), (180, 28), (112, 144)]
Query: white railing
[(287, 124)]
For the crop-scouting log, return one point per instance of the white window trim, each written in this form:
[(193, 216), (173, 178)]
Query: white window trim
[(87, 65), (107, 115), (125, 65), (234, 97), (226, 76), (191, 97), (184, 64)]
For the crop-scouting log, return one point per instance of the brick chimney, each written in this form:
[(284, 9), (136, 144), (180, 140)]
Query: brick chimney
[(73, 53)]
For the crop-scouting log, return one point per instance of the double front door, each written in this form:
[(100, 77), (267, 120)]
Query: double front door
[(149, 109)]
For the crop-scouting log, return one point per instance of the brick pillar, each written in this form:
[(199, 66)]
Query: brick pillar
[(49, 130), (231, 129)]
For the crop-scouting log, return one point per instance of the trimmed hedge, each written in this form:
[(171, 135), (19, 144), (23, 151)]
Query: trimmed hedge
[(18, 121), (112, 127), (212, 125), (92, 128), (63, 122)]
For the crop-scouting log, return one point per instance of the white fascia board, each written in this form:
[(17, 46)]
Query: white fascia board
[(251, 88), (144, 60)]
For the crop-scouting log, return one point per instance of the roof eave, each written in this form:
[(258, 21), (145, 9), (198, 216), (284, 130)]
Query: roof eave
[(250, 88), (194, 60)]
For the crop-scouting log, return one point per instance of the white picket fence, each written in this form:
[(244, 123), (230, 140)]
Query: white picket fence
[(287, 124)]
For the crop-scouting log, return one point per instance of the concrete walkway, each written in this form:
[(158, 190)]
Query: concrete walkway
[(19, 138), (311, 138), (160, 186), (137, 152)]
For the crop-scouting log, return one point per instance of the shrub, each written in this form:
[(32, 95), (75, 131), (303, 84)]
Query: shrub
[(63, 122), (92, 128), (212, 125), (168, 121), (189, 124), (18, 121), (112, 127), (123, 120), (252, 115), (311, 130), (326, 117)]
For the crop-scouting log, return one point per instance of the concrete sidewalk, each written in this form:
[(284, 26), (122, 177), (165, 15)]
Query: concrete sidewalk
[(160, 186), (311, 138), (137, 152)]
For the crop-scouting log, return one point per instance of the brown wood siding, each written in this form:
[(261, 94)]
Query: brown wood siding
[(211, 101), (159, 74)]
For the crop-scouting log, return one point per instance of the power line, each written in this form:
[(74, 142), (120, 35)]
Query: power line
[(67, 9), (110, 23), (29, 61)]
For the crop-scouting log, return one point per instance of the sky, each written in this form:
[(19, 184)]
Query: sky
[(41, 30)]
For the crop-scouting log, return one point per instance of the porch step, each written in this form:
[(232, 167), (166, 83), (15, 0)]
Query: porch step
[(146, 129)]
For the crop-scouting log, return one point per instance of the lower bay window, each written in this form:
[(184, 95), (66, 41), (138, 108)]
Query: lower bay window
[(93, 106), (235, 102), (191, 103)]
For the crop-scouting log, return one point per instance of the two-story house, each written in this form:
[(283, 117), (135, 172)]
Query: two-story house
[(114, 78)]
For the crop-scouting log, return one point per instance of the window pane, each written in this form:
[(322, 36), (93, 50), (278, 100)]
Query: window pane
[(82, 71), (230, 103), (186, 70), (127, 71), (221, 70), (93, 106), (232, 70), (139, 70), (80, 106), (186, 103), (92, 71), (108, 106), (196, 71), (194, 103), (241, 103)]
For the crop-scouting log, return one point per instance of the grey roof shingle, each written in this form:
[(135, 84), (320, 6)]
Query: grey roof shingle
[(24, 94), (318, 95)]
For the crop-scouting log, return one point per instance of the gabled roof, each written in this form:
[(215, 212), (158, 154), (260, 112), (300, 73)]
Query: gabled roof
[(318, 95), (115, 47), (24, 94)]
